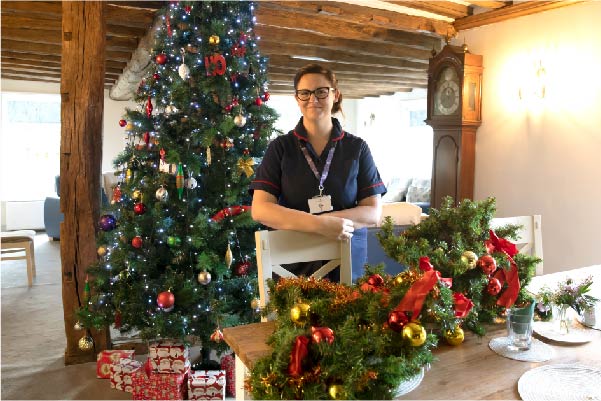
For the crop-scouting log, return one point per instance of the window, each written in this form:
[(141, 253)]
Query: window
[(30, 143)]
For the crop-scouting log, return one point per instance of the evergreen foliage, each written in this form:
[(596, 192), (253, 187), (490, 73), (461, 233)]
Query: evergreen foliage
[(211, 124), (444, 236)]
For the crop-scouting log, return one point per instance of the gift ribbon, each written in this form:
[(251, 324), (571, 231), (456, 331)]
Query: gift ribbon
[(462, 304), (496, 244), (299, 352)]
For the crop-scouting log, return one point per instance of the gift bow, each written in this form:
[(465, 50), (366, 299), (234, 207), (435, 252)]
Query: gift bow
[(415, 297), (245, 166), (496, 244)]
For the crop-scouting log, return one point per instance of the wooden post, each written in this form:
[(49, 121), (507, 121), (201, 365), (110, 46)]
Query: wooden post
[(82, 96)]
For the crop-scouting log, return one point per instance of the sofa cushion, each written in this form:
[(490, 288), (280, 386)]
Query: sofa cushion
[(419, 190), (396, 190)]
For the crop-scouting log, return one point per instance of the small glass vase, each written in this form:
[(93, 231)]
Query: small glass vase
[(562, 318)]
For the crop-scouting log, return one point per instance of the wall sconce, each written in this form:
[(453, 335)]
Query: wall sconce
[(534, 88)]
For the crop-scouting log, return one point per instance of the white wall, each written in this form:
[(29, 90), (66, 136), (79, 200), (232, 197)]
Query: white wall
[(544, 157)]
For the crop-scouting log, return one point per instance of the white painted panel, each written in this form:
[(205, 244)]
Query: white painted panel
[(25, 215)]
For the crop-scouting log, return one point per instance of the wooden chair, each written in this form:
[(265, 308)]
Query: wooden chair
[(530, 239), (19, 242), (278, 247)]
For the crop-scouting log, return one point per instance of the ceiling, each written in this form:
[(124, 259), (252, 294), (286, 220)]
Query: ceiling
[(375, 47)]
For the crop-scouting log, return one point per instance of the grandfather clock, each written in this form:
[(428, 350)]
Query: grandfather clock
[(454, 113)]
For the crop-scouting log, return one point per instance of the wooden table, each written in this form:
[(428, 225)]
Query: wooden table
[(469, 371)]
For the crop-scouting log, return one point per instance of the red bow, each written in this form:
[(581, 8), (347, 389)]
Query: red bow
[(415, 297), (496, 244), (463, 304), (299, 352)]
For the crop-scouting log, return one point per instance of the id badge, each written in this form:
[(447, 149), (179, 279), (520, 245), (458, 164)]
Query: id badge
[(320, 204)]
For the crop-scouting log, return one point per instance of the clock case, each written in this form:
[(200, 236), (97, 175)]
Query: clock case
[(453, 163)]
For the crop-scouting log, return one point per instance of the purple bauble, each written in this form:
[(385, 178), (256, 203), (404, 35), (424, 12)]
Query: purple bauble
[(107, 222)]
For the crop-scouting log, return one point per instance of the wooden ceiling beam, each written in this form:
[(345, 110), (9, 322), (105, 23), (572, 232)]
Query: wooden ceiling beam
[(490, 3), (375, 73), (42, 48), (30, 56), (269, 48), (510, 12), (34, 8), (20, 77), (43, 66), (298, 37), (348, 78), (447, 8), (54, 37), (323, 25), (363, 15), (118, 14)]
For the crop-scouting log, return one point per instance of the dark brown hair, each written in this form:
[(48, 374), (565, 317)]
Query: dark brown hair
[(330, 76)]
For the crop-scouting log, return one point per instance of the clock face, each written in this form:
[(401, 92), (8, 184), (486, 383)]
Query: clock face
[(446, 95)]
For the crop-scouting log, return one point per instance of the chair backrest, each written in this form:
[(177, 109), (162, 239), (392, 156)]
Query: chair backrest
[(530, 239), (278, 247), (402, 213)]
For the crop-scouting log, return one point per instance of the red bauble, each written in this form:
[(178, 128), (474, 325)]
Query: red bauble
[(122, 123), (146, 138), (187, 9), (156, 76), (136, 242), (166, 300), (242, 268), (161, 58), (246, 152), (266, 96), (375, 280), (397, 320), (488, 264), (140, 208), (228, 108), (258, 101), (494, 286)]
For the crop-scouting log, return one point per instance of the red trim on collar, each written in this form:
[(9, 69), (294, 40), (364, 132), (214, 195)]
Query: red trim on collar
[(339, 137)]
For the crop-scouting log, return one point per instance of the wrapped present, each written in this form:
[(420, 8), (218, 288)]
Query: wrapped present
[(168, 357), (228, 364), (122, 374), (109, 357), (160, 386), (206, 385)]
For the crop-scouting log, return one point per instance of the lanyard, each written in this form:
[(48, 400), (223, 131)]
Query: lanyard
[(326, 168)]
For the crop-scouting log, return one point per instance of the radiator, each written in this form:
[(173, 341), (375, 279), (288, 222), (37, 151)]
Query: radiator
[(24, 215)]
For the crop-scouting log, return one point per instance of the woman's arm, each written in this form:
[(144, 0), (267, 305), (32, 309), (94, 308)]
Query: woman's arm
[(366, 214), (266, 211)]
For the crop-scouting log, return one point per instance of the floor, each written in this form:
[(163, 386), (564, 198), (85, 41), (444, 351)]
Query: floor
[(33, 335)]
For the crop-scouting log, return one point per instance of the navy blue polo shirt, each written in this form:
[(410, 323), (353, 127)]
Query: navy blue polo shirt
[(353, 176)]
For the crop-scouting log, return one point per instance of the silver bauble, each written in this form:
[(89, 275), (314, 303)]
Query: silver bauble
[(77, 326), (184, 71), (162, 194), (204, 277), (190, 183)]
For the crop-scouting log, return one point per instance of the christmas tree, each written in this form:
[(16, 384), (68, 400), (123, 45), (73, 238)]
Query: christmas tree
[(176, 247)]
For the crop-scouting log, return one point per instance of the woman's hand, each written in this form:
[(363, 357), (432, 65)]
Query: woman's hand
[(336, 227)]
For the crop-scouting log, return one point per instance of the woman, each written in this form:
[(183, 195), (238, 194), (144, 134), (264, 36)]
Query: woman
[(318, 178)]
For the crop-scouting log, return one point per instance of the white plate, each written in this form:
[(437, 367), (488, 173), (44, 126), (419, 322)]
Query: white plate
[(550, 330), (560, 382)]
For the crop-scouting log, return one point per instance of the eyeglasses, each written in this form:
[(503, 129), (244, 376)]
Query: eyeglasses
[(320, 93)]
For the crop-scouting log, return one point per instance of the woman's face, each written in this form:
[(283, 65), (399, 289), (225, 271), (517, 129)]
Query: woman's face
[(314, 108)]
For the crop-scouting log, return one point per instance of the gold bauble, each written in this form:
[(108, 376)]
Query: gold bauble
[(255, 303), (129, 127), (136, 195), (469, 258), (214, 39), (336, 392), (204, 277), (86, 343), (101, 251), (414, 334), (299, 313), (454, 337), (399, 279), (229, 257)]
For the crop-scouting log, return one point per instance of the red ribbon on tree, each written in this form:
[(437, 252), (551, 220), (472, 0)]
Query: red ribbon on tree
[(300, 350), (229, 211), (149, 107), (496, 244), (462, 304)]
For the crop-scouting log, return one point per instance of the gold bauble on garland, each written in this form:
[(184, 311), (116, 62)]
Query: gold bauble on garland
[(101, 251), (214, 39), (299, 313), (414, 334), (336, 392), (454, 337), (469, 258)]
